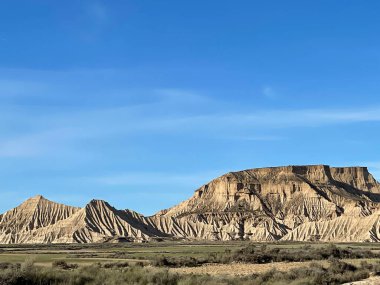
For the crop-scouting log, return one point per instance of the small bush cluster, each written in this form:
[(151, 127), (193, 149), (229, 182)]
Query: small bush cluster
[(7, 265), (337, 273), (263, 254), (61, 264), (115, 265), (183, 261)]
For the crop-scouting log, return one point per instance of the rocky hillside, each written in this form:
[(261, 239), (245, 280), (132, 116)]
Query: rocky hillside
[(273, 204), (35, 213), (301, 203)]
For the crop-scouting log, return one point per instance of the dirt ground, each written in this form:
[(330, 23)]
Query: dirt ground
[(238, 269)]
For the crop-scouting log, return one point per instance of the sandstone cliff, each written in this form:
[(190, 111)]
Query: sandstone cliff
[(266, 204)]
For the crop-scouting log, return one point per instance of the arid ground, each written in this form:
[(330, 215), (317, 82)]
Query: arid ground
[(222, 261)]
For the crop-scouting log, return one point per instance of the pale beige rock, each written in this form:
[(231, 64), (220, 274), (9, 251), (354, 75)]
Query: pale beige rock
[(300, 203), (269, 203), (36, 212), (96, 222)]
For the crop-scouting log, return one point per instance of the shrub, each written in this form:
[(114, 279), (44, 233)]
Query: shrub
[(61, 264), (261, 254), (337, 272), (115, 265), (163, 261)]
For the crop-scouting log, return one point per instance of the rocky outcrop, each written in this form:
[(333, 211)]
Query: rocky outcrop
[(96, 222), (302, 203), (342, 229), (35, 213), (268, 203)]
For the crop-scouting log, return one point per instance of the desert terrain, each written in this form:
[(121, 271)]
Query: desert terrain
[(311, 224)]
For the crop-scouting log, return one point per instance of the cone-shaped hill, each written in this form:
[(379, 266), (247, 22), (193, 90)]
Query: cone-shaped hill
[(34, 213), (96, 222)]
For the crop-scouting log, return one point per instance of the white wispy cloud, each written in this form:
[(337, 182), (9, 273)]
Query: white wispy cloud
[(155, 179), (36, 144), (32, 130), (97, 11), (260, 138), (182, 96), (93, 20), (59, 130), (10, 87), (269, 92)]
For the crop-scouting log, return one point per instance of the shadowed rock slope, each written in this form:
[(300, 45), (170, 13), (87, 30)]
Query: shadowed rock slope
[(302, 203), (96, 222), (278, 203)]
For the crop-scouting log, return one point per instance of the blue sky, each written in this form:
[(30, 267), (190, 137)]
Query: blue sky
[(141, 102)]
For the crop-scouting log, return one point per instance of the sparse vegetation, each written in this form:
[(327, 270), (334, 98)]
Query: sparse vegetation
[(61, 264), (173, 263), (264, 254), (337, 272), (260, 254), (183, 261)]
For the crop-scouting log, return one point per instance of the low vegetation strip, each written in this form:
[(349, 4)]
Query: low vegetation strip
[(337, 272), (263, 255), (374, 280)]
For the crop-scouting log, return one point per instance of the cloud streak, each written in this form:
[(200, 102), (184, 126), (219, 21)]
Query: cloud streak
[(155, 179), (97, 11), (34, 127), (58, 129), (269, 92)]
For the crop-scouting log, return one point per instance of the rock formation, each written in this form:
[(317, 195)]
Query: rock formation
[(35, 213), (300, 203), (270, 203)]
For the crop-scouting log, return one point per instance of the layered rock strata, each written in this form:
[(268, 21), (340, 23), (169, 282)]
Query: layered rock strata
[(299, 203)]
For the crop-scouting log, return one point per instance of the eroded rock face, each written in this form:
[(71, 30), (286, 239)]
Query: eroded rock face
[(35, 213), (96, 222), (269, 203), (281, 203)]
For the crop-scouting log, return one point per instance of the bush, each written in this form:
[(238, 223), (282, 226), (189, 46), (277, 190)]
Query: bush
[(61, 264), (163, 261), (115, 265), (7, 265), (337, 272), (261, 254)]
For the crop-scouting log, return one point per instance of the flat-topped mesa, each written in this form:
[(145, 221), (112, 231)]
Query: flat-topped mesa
[(357, 177), (270, 189), (314, 173), (318, 173)]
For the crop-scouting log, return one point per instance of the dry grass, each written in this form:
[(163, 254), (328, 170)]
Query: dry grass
[(244, 269), (375, 280), (240, 269)]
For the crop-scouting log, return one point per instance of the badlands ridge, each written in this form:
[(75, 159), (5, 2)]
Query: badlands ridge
[(292, 203)]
